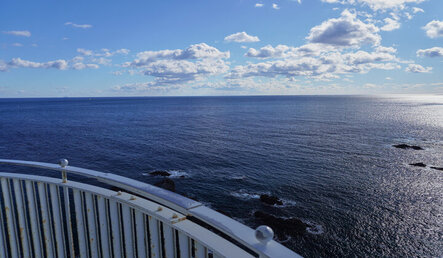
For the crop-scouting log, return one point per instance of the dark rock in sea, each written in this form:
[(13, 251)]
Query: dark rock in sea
[(437, 168), (405, 146), (271, 200), (281, 226), (159, 173), (167, 184), (419, 164)]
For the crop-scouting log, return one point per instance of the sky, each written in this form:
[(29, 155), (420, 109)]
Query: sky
[(229, 47)]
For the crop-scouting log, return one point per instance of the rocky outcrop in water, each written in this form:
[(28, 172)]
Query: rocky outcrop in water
[(437, 168), (405, 146), (271, 200), (281, 226), (418, 164), (159, 173), (167, 184)]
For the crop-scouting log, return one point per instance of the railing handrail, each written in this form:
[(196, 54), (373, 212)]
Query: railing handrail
[(186, 206)]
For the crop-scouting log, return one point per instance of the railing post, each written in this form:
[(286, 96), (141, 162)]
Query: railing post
[(63, 163)]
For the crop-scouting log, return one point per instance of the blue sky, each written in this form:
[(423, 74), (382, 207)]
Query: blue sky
[(231, 47)]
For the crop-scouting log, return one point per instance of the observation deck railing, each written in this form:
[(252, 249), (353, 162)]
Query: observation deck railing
[(50, 217)]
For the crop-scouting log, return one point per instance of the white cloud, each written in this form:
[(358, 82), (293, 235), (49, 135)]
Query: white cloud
[(17, 45), (275, 6), (269, 51), (323, 64), (81, 66), (81, 26), (3, 66), (241, 37), (123, 51), (346, 31), (430, 52), (434, 29), (417, 10), (22, 33), (259, 5), (382, 49), (101, 60), (84, 52), (104, 52), (196, 51), (20, 63), (181, 66), (416, 68), (76, 63), (390, 24), (377, 5)]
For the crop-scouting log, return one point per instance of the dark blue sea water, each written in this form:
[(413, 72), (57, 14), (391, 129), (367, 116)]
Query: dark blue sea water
[(330, 159)]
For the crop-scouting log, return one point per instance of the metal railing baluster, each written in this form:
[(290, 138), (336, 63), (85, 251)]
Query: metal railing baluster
[(44, 211), (21, 213), (34, 221), (79, 216), (140, 229), (154, 236), (91, 222)]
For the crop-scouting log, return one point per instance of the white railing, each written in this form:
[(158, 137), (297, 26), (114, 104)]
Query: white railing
[(50, 217)]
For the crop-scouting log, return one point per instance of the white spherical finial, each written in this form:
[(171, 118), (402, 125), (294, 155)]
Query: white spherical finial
[(264, 234), (63, 163)]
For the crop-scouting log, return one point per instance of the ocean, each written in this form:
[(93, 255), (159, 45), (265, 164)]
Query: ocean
[(330, 159)]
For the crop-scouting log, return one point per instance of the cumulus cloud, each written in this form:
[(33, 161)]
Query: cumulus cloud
[(84, 52), (377, 5), (382, 49), (283, 51), (3, 66), (416, 68), (417, 10), (241, 37), (346, 31), (390, 24), (275, 6), (104, 52), (123, 51), (76, 63), (81, 26), (22, 33), (325, 64), (181, 65), (430, 52), (81, 66), (196, 51), (259, 5), (434, 29), (269, 51), (20, 63)]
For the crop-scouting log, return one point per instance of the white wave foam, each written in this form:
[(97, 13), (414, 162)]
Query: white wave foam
[(176, 173), (313, 228), (245, 195), (242, 194), (287, 203)]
